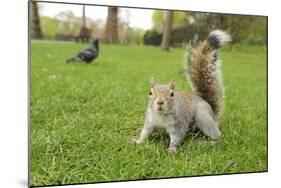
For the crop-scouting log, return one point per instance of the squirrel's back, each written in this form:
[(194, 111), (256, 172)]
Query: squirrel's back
[(203, 69)]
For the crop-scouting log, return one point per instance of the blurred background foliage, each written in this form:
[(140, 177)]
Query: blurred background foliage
[(243, 28), (185, 25)]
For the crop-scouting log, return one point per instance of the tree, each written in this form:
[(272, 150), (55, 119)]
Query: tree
[(85, 33), (35, 21), (180, 19), (68, 24), (158, 20), (49, 27), (111, 33), (165, 44), (241, 27), (97, 27), (83, 17)]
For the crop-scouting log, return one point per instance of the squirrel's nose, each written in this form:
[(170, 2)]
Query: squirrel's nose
[(160, 102)]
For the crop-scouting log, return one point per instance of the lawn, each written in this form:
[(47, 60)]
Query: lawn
[(84, 116)]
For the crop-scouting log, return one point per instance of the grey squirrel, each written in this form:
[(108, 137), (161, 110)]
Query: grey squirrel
[(179, 112)]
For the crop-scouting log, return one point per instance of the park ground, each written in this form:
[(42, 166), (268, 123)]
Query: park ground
[(84, 116)]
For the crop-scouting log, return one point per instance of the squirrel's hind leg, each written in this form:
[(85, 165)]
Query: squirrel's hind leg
[(205, 121)]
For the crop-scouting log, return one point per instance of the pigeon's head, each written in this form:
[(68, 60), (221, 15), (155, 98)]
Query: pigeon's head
[(95, 41)]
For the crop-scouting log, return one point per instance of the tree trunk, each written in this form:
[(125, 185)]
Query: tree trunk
[(35, 22), (165, 44), (83, 17), (111, 35)]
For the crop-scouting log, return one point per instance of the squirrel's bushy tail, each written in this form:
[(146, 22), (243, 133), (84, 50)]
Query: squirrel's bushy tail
[(203, 69)]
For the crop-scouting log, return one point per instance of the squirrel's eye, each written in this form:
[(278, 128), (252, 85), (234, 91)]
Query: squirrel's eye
[(172, 94), (150, 93)]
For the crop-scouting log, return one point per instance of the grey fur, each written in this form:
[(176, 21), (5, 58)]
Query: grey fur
[(179, 113), (182, 117)]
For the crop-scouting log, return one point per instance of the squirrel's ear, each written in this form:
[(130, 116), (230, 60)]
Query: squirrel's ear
[(172, 84), (152, 83)]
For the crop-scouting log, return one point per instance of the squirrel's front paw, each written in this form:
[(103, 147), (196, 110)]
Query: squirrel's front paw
[(172, 149), (136, 141)]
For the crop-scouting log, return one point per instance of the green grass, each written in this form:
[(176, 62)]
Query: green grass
[(83, 116)]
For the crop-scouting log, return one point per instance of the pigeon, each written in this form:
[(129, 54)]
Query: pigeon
[(88, 54)]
